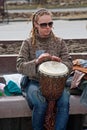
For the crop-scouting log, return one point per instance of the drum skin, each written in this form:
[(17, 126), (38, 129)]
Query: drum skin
[(52, 86)]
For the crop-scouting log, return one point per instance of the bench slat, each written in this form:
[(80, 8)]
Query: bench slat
[(16, 106)]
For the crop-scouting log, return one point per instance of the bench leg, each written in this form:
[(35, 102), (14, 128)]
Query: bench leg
[(75, 122), (19, 123)]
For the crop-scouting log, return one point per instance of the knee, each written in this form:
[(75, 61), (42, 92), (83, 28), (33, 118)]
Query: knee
[(64, 99), (38, 100)]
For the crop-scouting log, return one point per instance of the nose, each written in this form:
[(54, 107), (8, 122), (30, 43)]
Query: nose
[(48, 26)]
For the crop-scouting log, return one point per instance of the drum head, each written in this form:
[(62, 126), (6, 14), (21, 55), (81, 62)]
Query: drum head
[(53, 68)]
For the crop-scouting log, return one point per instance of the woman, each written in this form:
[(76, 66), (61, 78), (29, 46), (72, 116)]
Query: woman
[(43, 45)]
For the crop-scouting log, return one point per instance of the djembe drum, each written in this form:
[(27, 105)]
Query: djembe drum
[(53, 76)]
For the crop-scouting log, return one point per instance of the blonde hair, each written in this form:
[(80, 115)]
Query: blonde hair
[(35, 18)]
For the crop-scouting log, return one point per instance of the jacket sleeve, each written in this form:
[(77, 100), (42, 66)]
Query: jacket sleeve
[(25, 65), (65, 56)]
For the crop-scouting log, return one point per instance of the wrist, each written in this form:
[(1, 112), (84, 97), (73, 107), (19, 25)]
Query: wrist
[(36, 61)]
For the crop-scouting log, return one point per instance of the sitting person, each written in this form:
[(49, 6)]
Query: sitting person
[(43, 45)]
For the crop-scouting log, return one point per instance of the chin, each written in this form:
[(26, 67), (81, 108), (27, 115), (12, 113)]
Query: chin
[(46, 34)]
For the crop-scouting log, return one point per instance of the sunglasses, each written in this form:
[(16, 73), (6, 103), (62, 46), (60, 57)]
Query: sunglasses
[(44, 25)]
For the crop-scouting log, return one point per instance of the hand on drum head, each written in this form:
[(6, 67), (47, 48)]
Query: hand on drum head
[(55, 58), (43, 57)]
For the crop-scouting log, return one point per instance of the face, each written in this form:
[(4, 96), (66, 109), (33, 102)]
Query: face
[(44, 25)]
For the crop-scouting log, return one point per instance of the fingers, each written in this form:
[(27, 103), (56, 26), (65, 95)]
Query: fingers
[(47, 57), (55, 58), (43, 57)]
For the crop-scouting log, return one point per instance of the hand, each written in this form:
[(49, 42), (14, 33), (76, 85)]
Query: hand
[(43, 57), (76, 62), (55, 58)]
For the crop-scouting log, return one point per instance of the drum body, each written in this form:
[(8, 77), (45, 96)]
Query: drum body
[(52, 79)]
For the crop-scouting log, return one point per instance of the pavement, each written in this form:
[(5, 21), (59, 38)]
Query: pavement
[(63, 28), (67, 29), (81, 9)]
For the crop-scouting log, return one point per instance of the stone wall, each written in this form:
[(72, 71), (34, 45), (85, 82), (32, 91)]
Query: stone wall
[(13, 47)]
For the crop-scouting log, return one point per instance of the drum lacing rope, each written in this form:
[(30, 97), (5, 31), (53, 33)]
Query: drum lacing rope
[(50, 115)]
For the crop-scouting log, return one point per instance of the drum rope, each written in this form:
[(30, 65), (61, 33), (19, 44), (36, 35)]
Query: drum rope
[(50, 115)]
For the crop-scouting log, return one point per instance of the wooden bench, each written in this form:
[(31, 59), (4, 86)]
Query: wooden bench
[(16, 106), (8, 66)]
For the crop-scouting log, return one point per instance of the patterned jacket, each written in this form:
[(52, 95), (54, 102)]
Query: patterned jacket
[(28, 54)]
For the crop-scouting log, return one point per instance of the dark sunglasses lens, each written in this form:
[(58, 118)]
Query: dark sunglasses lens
[(43, 25), (50, 24)]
